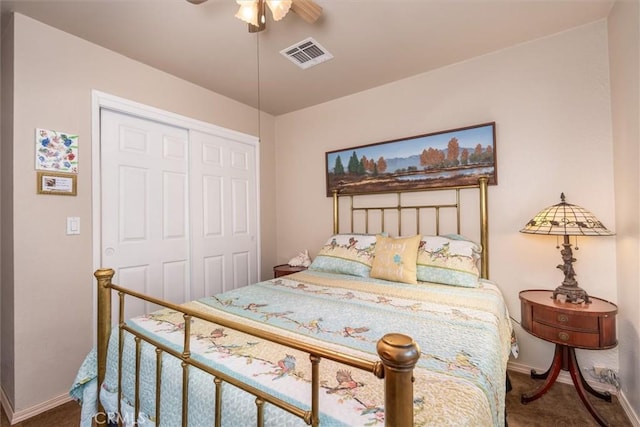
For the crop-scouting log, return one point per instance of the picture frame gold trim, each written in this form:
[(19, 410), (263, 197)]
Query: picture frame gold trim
[(59, 184)]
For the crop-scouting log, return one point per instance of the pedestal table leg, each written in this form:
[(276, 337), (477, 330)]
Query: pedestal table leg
[(559, 360), (579, 382)]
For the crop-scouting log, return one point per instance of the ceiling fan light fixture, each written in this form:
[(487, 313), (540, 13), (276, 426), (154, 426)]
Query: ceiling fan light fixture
[(248, 11), (253, 11), (279, 8)]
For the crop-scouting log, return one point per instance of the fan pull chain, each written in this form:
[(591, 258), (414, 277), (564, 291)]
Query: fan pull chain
[(258, 92)]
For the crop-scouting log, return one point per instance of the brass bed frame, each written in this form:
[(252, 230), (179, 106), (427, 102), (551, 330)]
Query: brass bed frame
[(398, 353)]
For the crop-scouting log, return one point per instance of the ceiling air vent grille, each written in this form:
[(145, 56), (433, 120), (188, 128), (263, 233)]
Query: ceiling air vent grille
[(306, 53)]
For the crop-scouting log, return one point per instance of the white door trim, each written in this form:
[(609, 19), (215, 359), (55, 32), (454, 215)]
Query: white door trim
[(104, 100)]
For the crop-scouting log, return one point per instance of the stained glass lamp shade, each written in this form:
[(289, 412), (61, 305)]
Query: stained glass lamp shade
[(565, 219)]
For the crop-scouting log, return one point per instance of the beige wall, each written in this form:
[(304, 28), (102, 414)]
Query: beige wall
[(52, 284), (624, 54), (550, 101)]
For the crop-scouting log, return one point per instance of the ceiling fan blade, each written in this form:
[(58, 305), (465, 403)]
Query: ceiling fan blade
[(307, 10)]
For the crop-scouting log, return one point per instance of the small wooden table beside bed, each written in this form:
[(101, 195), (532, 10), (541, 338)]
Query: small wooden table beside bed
[(378, 331)]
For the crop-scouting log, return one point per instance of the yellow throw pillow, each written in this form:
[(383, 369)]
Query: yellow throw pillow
[(395, 259)]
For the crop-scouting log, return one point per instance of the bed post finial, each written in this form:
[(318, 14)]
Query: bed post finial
[(399, 355), (104, 276)]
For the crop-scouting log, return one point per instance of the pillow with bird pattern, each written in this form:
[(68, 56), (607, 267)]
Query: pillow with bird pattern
[(449, 259), (350, 254)]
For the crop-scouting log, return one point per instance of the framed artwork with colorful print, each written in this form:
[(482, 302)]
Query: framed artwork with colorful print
[(56, 151)]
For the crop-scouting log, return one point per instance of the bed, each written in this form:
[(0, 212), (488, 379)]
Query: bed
[(338, 344)]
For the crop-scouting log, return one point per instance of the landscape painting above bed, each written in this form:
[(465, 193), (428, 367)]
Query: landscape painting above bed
[(450, 158)]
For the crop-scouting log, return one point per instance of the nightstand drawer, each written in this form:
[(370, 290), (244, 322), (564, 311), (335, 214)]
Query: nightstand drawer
[(566, 337), (565, 320)]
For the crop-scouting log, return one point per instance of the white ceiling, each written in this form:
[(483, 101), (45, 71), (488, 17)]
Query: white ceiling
[(373, 41)]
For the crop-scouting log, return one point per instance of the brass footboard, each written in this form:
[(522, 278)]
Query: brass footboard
[(398, 356)]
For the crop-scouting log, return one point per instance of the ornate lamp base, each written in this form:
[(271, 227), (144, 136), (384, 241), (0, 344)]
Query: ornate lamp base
[(573, 293)]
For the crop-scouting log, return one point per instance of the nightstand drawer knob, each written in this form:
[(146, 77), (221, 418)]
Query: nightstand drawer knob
[(563, 336), (563, 318)]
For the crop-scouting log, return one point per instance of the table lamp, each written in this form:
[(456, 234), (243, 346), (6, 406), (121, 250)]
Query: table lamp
[(565, 219)]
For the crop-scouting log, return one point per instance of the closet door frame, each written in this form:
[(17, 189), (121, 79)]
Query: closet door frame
[(102, 100)]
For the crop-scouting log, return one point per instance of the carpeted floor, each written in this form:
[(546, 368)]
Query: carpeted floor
[(561, 406), (67, 415)]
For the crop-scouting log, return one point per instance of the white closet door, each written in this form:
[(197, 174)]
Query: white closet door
[(179, 209), (224, 218), (145, 212)]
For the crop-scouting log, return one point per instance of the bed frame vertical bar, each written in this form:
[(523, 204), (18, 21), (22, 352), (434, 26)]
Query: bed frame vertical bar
[(186, 354), (484, 227), (218, 383), (458, 210), (259, 412), (315, 390), (120, 347), (185, 394), (136, 404), (399, 209), (158, 384), (336, 220), (103, 277), (351, 212)]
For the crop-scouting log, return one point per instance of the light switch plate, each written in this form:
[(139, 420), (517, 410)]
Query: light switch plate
[(73, 225)]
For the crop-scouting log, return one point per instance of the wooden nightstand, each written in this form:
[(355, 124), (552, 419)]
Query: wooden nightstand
[(284, 269), (570, 326)]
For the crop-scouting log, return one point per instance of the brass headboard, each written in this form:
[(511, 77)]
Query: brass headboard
[(418, 208)]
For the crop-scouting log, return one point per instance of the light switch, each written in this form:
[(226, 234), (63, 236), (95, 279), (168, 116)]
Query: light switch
[(73, 225)]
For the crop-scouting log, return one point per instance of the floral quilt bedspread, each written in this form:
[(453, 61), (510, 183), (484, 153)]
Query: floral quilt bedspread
[(464, 335)]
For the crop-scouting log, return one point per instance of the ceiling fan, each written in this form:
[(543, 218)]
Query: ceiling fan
[(253, 11)]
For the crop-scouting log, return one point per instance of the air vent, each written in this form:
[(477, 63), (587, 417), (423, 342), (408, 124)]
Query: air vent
[(306, 53)]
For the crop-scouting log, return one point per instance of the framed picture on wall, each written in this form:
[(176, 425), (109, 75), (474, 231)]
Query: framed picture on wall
[(56, 151), (450, 158), (63, 184)]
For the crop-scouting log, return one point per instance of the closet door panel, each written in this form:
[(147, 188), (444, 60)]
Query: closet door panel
[(212, 206), (224, 220), (144, 206)]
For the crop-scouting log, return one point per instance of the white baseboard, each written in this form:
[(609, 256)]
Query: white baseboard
[(6, 405), (16, 417), (626, 406), (565, 378)]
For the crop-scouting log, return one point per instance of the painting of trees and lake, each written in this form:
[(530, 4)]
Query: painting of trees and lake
[(451, 158)]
